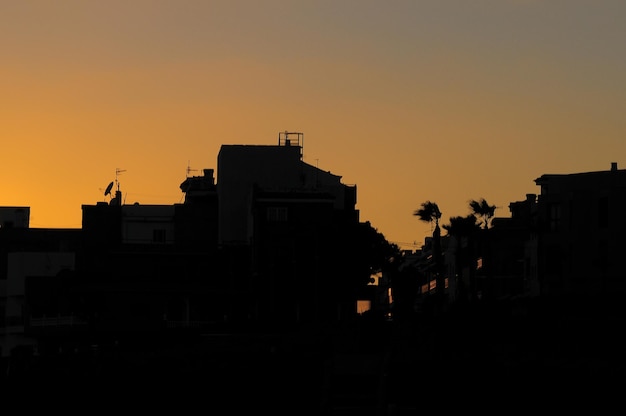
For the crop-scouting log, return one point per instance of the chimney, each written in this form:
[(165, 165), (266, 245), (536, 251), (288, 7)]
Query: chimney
[(613, 166)]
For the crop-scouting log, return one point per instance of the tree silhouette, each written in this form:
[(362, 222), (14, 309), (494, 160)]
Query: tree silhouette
[(464, 230), (363, 253), (485, 212), (429, 212), (379, 256), (378, 252), (482, 210)]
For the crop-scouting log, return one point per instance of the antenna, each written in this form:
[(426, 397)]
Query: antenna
[(189, 169), (117, 173)]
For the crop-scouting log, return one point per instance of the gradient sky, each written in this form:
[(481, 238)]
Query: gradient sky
[(441, 100)]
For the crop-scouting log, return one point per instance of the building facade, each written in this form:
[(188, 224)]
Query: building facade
[(580, 227), (274, 241), (297, 224)]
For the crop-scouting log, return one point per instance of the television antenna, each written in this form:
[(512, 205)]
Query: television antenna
[(118, 171), (189, 169)]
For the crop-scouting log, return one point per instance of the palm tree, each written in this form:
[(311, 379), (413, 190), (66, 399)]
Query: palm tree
[(464, 230), (430, 212), (483, 210)]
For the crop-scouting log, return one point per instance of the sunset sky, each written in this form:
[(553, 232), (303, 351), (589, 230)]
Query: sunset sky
[(412, 100)]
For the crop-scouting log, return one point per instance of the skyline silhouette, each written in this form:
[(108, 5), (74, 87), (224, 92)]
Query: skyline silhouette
[(261, 303), (445, 100)]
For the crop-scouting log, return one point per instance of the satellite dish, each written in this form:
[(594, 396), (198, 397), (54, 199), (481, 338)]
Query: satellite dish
[(108, 190)]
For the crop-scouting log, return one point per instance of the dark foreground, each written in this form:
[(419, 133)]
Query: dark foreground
[(473, 358)]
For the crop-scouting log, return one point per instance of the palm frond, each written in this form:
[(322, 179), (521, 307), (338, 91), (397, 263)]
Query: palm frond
[(428, 212)]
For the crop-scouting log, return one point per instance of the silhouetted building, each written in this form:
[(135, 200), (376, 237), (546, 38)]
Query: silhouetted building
[(36, 295), (580, 228), (277, 241), (509, 253), (298, 225), (562, 244), (154, 267), (18, 217)]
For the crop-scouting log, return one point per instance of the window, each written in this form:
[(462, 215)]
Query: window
[(554, 217), (158, 236), (277, 214), (363, 306)]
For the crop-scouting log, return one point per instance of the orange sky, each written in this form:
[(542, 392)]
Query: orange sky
[(441, 100)]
